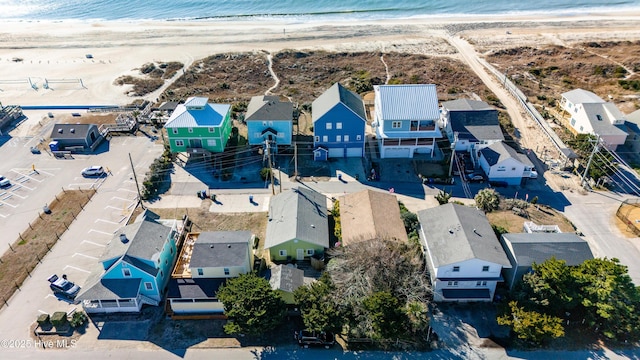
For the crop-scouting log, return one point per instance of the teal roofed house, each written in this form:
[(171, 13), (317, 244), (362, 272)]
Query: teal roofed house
[(298, 225), (198, 126), (134, 269)]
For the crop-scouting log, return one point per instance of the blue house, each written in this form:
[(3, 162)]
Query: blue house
[(135, 267), (269, 119), (405, 120), (338, 124)]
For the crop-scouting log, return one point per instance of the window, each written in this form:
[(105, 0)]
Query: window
[(175, 131), (346, 138), (226, 271), (212, 142), (325, 138), (452, 283), (179, 143), (281, 135), (148, 286), (171, 251), (396, 124), (581, 128), (456, 268), (166, 262), (126, 272), (161, 273), (481, 283), (338, 138), (485, 268), (282, 253), (317, 139), (200, 272), (257, 134), (190, 130), (339, 125), (329, 126), (513, 169), (212, 130), (358, 137), (573, 122), (264, 123), (270, 123), (309, 252)]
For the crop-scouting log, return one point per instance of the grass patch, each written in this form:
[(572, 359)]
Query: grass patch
[(34, 243), (542, 216)]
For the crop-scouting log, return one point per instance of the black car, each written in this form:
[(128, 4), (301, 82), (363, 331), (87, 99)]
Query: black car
[(62, 286), (308, 338)]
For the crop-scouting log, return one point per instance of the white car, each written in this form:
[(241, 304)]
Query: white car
[(4, 182), (533, 174), (93, 171)]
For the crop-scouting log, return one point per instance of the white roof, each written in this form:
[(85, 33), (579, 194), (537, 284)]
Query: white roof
[(580, 96), (193, 114), (407, 102)]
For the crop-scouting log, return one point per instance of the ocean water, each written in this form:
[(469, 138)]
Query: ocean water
[(294, 10)]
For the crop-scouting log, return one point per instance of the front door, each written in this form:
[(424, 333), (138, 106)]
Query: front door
[(195, 143), (299, 254)]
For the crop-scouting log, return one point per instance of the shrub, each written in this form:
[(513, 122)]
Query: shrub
[(534, 200), (59, 318), (265, 173), (78, 319), (487, 200)]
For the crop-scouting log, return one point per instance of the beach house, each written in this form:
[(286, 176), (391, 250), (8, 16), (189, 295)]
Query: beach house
[(405, 120), (502, 163), (134, 269), (338, 124), (470, 125), (586, 113), (199, 127), (464, 257), (269, 119)]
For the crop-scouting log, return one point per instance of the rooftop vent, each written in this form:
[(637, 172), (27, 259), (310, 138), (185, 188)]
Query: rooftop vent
[(229, 246), (59, 131), (72, 130), (123, 238), (211, 246)]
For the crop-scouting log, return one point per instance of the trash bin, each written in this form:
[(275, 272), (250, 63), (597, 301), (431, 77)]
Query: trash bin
[(251, 199), (340, 177)]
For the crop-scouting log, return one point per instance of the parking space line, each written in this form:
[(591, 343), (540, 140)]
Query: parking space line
[(75, 268), (3, 216), (92, 243), (7, 197), (25, 177), (128, 190), (87, 256), (119, 198), (101, 232), (113, 207), (48, 173), (6, 203), (21, 197), (106, 221)]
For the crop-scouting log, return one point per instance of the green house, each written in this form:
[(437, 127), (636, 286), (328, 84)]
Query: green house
[(198, 126), (298, 225)]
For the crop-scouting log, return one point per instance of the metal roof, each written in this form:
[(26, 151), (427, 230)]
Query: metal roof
[(337, 94), (456, 233), (221, 249), (262, 108), (196, 102), (407, 102), (298, 213), (529, 248), (580, 96), (209, 115)]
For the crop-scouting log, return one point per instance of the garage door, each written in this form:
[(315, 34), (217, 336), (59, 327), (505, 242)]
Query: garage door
[(354, 152), (339, 152), (397, 153)]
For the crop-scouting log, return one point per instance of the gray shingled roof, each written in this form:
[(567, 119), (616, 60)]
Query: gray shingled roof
[(473, 120), (335, 95), (499, 152), (194, 288), (268, 108), (145, 237), (97, 288), (457, 233), (286, 278), (298, 213), (538, 247), (80, 131), (221, 249)]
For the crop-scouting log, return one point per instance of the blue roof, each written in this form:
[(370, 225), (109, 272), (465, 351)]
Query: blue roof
[(195, 113), (407, 102)]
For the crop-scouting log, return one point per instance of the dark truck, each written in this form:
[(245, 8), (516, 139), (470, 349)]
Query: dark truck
[(308, 338)]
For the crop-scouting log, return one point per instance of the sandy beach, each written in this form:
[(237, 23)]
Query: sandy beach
[(46, 63)]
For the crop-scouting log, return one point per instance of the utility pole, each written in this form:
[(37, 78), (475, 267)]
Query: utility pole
[(295, 160), (453, 152), (135, 178), (280, 179), (593, 152), (273, 189)]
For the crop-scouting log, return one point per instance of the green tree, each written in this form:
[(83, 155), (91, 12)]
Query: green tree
[(319, 310), (443, 197), (531, 326), (551, 287), (487, 200), (385, 316), (251, 305), (602, 162), (610, 299), (411, 222), (418, 316), (335, 212)]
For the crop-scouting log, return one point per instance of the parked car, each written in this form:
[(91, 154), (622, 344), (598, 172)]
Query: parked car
[(475, 177), (308, 338), (533, 174), (93, 171), (34, 150), (4, 182), (63, 287)]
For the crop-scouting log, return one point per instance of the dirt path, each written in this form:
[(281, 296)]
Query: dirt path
[(386, 69), (273, 74), (153, 96)]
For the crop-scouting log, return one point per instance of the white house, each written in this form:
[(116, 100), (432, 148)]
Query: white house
[(470, 124), (501, 162), (405, 120), (464, 257), (589, 114)]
